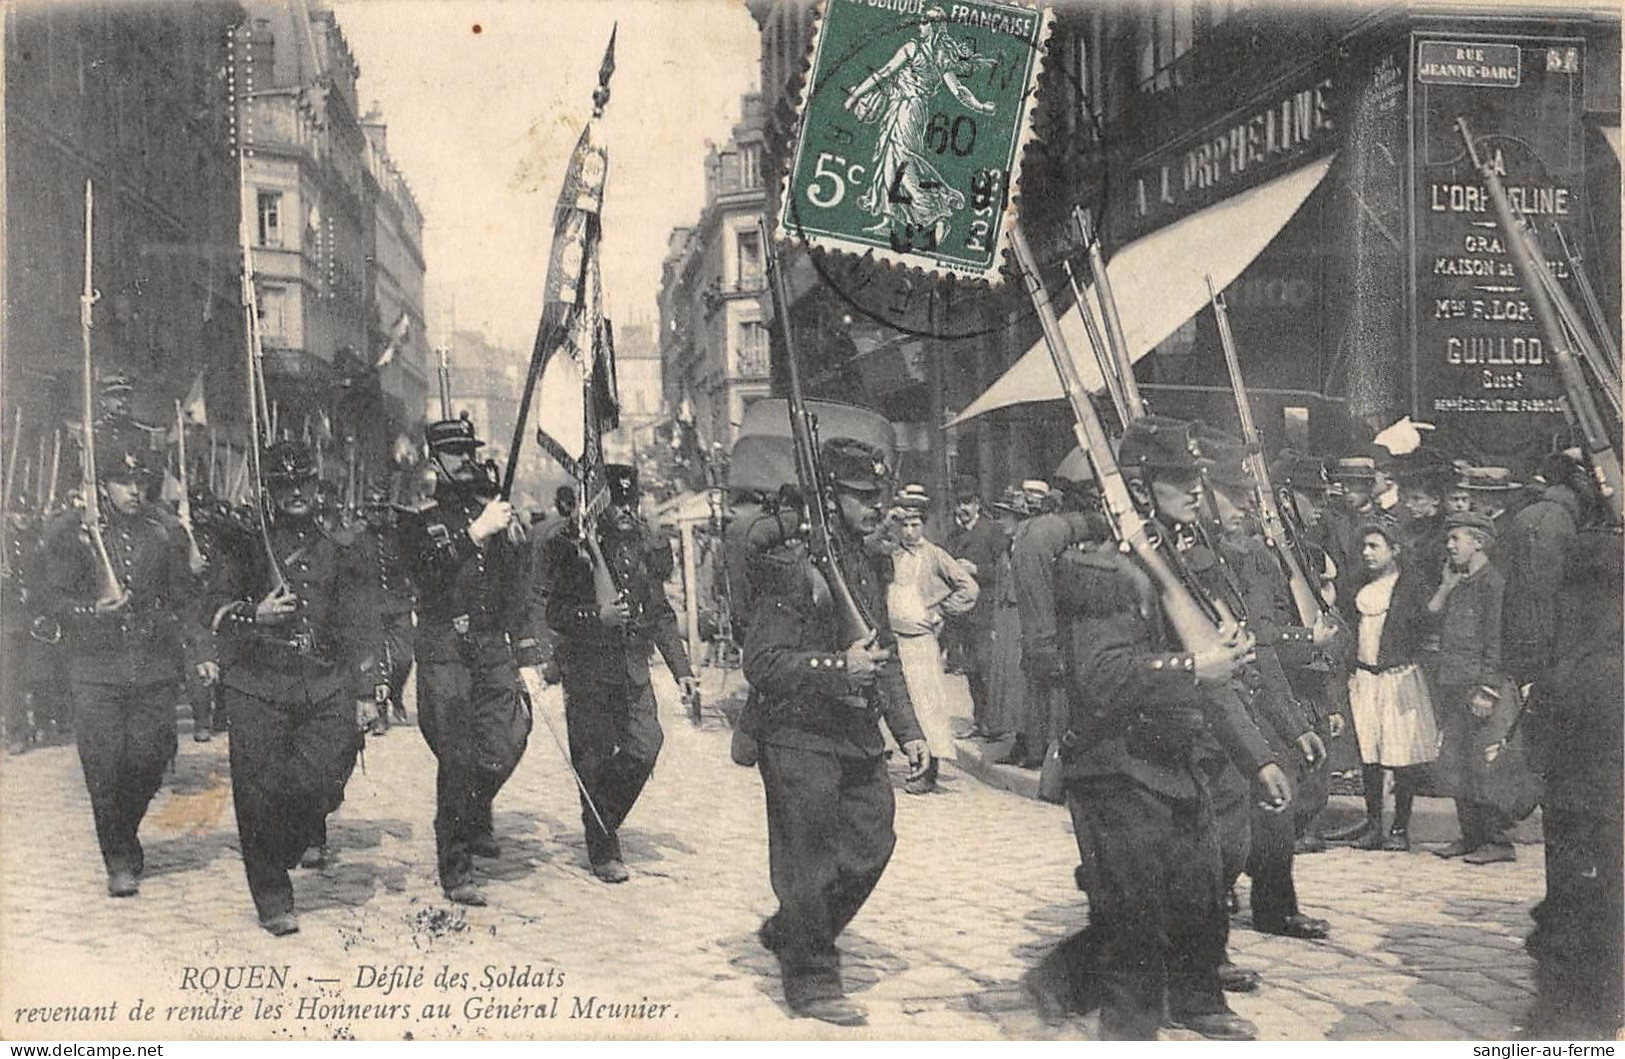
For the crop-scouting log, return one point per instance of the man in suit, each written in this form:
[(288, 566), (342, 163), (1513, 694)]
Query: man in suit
[(603, 657), (980, 545)]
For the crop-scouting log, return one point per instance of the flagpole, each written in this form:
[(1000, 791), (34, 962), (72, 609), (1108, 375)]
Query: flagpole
[(546, 332)]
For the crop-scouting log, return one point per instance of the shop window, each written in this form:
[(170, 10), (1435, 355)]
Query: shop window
[(270, 213)]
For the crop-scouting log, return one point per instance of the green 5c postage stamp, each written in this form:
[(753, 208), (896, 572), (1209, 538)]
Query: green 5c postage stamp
[(912, 126)]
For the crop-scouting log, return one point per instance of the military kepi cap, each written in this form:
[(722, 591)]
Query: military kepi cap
[(287, 461), (853, 465), (1159, 442), (123, 454), (623, 483), (451, 435)]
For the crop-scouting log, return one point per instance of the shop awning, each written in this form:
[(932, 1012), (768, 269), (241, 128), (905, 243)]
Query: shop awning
[(1159, 282), (1611, 134)]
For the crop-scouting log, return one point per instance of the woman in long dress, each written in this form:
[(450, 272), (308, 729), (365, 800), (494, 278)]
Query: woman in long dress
[(905, 189), (1388, 693)]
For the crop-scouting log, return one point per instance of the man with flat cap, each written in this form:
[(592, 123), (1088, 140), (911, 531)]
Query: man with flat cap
[(300, 676), (603, 658), (816, 717), (468, 559), (123, 652)]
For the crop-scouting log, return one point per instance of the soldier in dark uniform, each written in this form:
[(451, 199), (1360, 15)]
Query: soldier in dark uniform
[(603, 658), (1250, 573), (301, 681), (1575, 722), (395, 599), (20, 541), (1151, 726), (816, 716), (124, 653), (467, 558)]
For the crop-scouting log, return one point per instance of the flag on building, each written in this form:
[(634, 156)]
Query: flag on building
[(576, 393), (398, 335)]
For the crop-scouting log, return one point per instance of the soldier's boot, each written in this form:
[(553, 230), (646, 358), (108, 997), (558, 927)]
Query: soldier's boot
[(467, 894), (281, 925), (835, 1010), (122, 882), (485, 846)]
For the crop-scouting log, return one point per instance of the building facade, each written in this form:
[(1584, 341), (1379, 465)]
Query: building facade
[(336, 232), (714, 347), (131, 99), (1378, 291)]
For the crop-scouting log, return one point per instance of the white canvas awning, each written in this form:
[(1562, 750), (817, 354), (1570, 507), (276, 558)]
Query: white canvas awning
[(1611, 134), (1159, 282)]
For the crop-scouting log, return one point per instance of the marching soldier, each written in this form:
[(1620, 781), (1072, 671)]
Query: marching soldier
[(603, 660), (816, 717), (466, 556), (124, 653), (300, 680), (1142, 750), (1250, 575)]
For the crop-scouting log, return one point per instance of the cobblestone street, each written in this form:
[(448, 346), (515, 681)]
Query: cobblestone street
[(980, 884)]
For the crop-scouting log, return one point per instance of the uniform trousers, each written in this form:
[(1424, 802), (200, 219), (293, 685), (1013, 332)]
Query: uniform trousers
[(289, 764), (829, 838), (1578, 927), (477, 723), (1153, 873), (398, 634), (126, 738), (615, 738)]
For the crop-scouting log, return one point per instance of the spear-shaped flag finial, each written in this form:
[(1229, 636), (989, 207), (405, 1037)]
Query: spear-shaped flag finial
[(600, 95)]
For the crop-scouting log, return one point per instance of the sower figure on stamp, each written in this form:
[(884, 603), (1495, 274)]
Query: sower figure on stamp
[(299, 668), (816, 715), (603, 659), (469, 561), (121, 630)]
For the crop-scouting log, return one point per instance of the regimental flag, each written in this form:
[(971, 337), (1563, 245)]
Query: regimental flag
[(397, 339), (576, 396)]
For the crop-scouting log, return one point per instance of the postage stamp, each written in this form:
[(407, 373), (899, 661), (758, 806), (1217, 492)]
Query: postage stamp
[(912, 124)]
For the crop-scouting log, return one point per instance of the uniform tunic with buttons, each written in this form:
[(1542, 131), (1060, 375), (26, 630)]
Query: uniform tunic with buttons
[(124, 667), (473, 631), (290, 688), (609, 707), (829, 800), (1142, 748)]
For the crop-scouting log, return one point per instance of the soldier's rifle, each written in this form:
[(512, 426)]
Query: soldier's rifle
[(109, 589), (1117, 344), (1599, 319), (56, 467), (10, 484), (1202, 624), (823, 546), (183, 507), (257, 411), (1526, 256), (1276, 534)]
